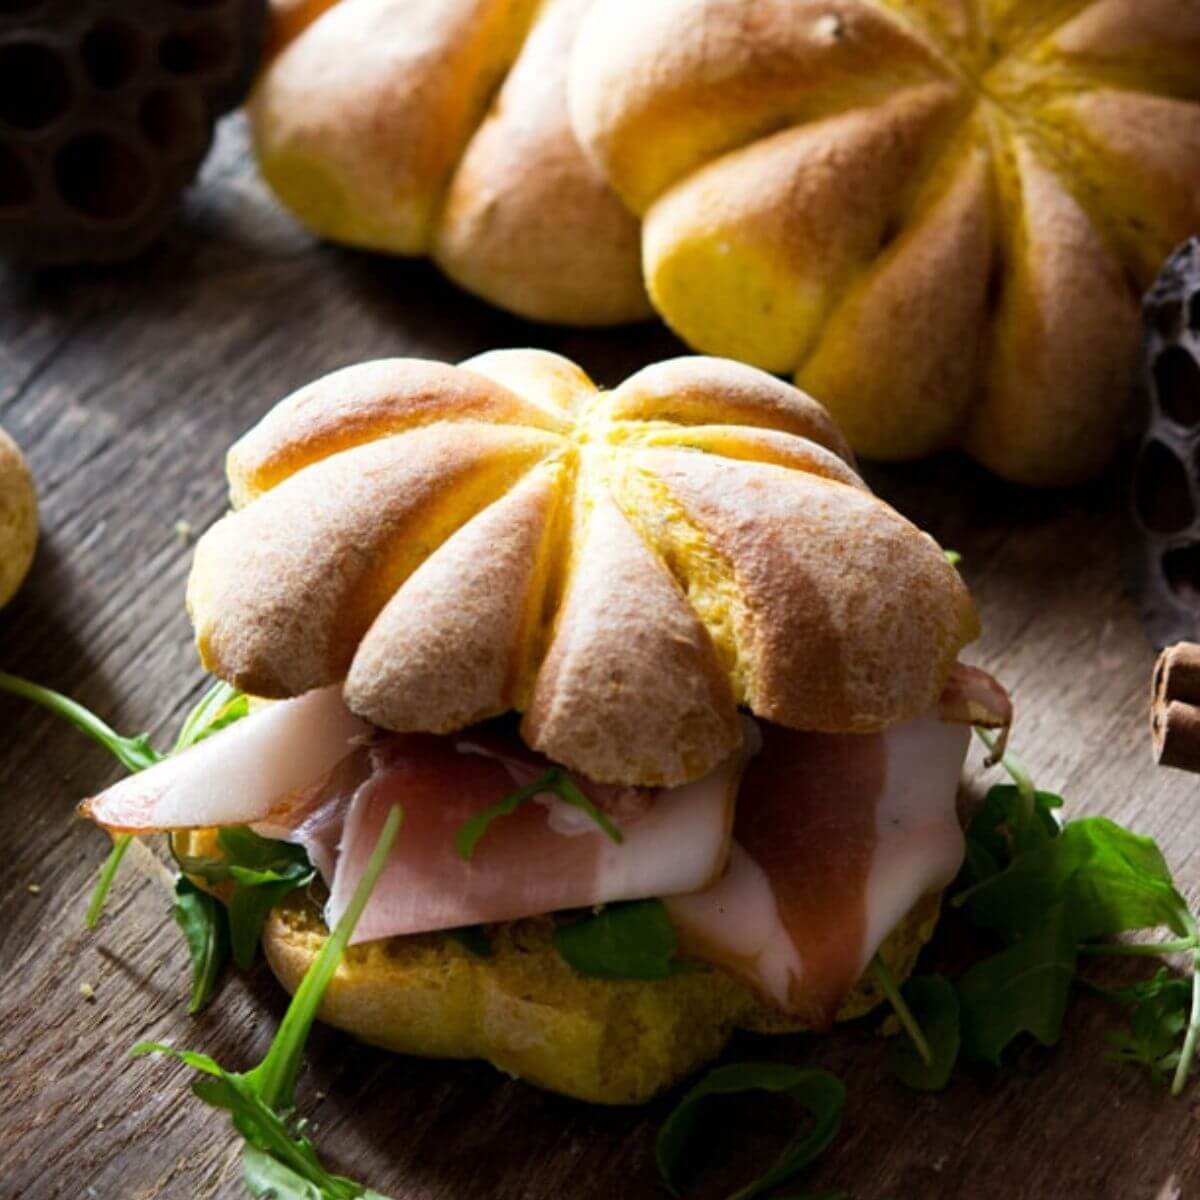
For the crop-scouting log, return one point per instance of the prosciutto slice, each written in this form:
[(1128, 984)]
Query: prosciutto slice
[(836, 838), (309, 772), (539, 859)]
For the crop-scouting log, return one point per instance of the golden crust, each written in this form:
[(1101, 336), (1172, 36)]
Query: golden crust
[(625, 568), (440, 127), (531, 1015), (936, 214), (18, 518)]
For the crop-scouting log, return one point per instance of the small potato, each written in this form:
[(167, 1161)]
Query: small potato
[(18, 518)]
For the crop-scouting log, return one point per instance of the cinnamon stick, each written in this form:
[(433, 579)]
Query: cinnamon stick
[(1175, 707)]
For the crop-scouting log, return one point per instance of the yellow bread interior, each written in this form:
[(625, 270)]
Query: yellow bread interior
[(527, 1012)]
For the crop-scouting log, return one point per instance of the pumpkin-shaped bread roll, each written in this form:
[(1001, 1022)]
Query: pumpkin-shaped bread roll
[(937, 215), (626, 568), (440, 127)]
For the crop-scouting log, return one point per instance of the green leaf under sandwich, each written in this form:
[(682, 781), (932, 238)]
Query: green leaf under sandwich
[(934, 1006), (1022, 990), (821, 1094), (262, 873), (629, 940), (205, 928)]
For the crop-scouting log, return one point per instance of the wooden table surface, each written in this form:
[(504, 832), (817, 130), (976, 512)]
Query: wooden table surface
[(125, 388)]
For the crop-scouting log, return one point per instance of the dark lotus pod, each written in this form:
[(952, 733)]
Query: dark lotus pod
[(1166, 482), (106, 112)]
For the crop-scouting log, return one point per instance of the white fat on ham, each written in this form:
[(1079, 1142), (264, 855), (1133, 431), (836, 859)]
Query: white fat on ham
[(736, 923), (836, 838), (522, 866), (243, 774), (919, 840)]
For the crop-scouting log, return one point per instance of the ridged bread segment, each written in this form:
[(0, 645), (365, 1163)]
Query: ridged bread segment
[(780, 228), (754, 445), (842, 614), (696, 390), (896, 314), (659, 90), (630, 685), (1029, 426), (557, 246), (448, 648), (338, 134), (1154, 44), (367, 401), (283, 591), (440, 127)]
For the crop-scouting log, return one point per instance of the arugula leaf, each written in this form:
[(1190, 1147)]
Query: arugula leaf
[(474, 939), (1021, 990), (1161, 1034), (220, 706), (1004, 826), (205, 928), (952, 557), (266, 1178), (262, 872), (104, 881), (633, 940), (260, 1099), (555, 781), (245, 855), (133, 753), (933, 1003), (248, 909), (1159, 1012), (276, 1075), (1106, 879), (264, 1129), (821, 1093)]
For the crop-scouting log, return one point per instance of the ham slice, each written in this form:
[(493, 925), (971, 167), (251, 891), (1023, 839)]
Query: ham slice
[(836, 838), (264, 762), (537, 860)]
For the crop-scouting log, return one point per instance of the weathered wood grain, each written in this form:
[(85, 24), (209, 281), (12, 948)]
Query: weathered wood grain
[(125, 389)]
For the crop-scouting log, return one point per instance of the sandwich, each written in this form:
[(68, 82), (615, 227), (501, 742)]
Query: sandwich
[(670, 702)]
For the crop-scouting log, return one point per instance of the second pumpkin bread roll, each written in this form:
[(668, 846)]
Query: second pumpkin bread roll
[(440, 127), (937, 215)]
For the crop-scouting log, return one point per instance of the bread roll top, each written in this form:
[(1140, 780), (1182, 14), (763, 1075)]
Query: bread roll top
[(625, 568)]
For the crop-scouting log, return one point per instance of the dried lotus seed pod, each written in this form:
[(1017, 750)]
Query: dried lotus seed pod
[(1166, 486), (106, 112), (18, 518)]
